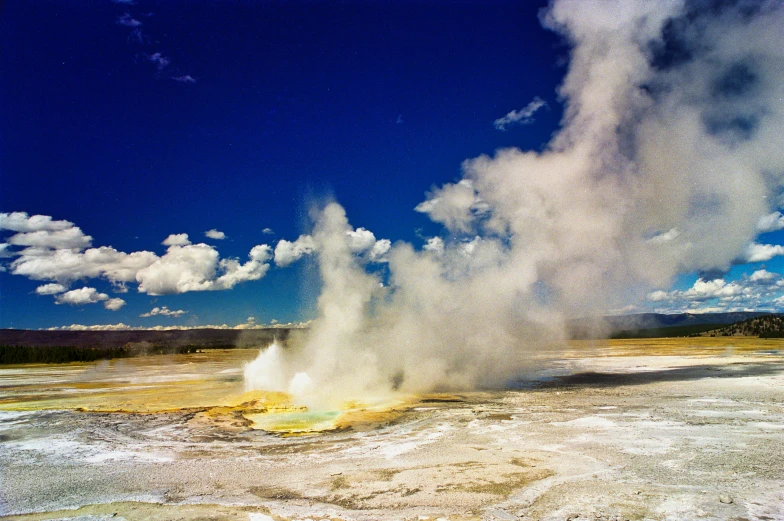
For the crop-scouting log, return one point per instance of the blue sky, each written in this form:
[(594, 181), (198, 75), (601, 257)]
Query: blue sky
[(134, 121)]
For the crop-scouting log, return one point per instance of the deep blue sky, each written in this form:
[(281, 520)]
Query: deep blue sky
[(372, 103)]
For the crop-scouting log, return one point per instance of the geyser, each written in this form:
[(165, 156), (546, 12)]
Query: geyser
[(668, 155)]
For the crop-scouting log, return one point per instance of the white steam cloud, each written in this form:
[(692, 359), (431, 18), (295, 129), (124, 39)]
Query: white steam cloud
[(668, 157)]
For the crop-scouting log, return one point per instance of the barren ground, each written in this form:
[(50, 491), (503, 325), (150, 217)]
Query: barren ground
[(651, 429)]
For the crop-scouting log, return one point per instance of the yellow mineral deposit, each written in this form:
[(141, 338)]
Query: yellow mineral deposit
[(211, 384), (208, 383)]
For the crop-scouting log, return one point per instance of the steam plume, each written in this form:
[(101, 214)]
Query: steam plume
[(668, 156)]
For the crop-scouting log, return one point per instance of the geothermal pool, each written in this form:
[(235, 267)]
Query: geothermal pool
[(654, 429)]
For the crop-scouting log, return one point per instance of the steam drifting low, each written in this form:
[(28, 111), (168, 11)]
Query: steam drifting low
[(668, 156)]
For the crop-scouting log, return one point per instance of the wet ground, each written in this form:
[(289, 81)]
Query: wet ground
[(673, 429)]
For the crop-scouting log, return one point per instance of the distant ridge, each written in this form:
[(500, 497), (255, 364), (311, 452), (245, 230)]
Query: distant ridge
[(767, 326), (653, 325)]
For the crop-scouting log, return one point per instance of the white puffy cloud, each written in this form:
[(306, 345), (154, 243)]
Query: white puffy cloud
[(456, 206), (287, 252), (378, 253), (183, 268), (50, 289), (435, 245), (65, 265), (68, 238), (176, 239), (22, 222), (55, 251), (360, 240), (523, 116), (164, 311), (363, 242), (763, 276), (763, 252), (196, 267), (658, 296), (268, 231), (708, 289), (113, 304), (82, 296), (235, 273), (760, 290), (771, 222), (215, 234)]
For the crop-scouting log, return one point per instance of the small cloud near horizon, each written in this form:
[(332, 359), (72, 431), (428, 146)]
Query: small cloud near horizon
[(164, 311)]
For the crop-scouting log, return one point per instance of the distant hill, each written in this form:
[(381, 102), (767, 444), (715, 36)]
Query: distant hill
[(652, 325), (768, 326)]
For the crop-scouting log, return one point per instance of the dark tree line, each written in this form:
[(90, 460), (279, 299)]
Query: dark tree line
[(768, 326)]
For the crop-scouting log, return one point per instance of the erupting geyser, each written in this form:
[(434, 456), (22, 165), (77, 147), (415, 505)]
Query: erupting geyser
[(668, 155)]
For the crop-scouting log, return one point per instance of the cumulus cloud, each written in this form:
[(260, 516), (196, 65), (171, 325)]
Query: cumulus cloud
[(113, 304), (215, 234), (83, 296), (196, 267), (58, 251), (176, 239), (69, 238), (268, 231), (763, 276), (763, 252), (759, 290), (163, 311), (50, 289), (183, 268), (66, 265), (435, 245), (360, 240), (523, 116), (22, 222), (771, 222), (378, 253), (456, 206), (234, 273), (287, 252)]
